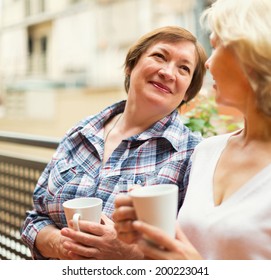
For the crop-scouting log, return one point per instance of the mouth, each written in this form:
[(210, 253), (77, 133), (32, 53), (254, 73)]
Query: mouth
[(161, 87)]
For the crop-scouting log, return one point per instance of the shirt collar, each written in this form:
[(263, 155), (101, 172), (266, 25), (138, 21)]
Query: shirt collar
[(97, 122), (170, 127)]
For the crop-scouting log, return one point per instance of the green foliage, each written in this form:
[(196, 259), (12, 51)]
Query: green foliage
[(205, 118)]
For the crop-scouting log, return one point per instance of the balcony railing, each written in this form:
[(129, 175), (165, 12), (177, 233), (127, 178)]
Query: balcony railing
[(18, 177)]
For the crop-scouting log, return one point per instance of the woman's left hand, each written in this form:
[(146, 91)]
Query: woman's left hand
[(98, 241), (168, 248)]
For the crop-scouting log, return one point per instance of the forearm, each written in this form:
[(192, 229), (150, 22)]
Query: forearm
[(48, 242)]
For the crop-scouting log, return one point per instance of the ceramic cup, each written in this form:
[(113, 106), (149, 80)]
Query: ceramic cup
[(84, 208), (157, 205)]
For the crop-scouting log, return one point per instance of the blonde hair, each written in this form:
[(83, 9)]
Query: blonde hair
[(168, 34), (245, 26)]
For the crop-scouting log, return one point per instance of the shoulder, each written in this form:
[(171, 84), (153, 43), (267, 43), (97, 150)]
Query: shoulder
[(185, 135), (96, 121), (207, 151), (80, 124), (213, 142)]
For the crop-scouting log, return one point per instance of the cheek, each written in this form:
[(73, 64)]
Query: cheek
[(184, 83), (214, 63), (141, 70)]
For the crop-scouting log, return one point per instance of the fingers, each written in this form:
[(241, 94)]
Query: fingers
[(126, 232), (93, 230), (106, 221), (124, 213), (155, 234), (124, 225), (180, 234), (123, 216), (129, 237), (123, 200), (85, 243), (161, 246), (79, 252), (124, 209), (152, 251)]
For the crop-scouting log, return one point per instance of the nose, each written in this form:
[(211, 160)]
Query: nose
[(167, 72)]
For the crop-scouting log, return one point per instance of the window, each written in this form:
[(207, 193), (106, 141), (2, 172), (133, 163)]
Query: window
[(33, 7), (30, 46), (27, 7), (43, 44)]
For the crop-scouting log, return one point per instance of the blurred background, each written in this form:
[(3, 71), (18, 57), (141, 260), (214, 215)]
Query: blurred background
[(62, 60)]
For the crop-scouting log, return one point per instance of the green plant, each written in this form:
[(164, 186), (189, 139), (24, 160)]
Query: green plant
[(204, 117)]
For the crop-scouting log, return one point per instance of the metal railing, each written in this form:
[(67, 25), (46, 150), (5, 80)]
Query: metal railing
[(18, 178)]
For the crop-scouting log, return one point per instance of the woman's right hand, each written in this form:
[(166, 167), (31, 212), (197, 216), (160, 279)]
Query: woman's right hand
[(123, 216), (49, 243)]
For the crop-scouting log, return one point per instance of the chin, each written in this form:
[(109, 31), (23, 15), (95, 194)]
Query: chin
[(225, 103)]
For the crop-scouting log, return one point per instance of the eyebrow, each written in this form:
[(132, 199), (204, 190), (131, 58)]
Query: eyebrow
[(183, 60)]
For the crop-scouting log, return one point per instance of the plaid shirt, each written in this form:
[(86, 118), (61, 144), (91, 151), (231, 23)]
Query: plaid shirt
[(157, 155)]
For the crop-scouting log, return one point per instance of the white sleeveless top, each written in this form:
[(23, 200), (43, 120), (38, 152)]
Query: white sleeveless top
[(239, 228)]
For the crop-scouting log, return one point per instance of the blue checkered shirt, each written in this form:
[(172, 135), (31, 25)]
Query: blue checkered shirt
[(157, 155)]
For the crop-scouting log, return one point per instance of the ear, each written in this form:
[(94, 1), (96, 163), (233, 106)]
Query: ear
[(127, 71), (185, 98)]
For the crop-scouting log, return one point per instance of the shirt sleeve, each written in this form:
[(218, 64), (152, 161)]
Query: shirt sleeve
[(39, 216)]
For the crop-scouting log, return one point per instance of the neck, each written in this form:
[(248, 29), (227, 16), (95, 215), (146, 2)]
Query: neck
[(116, 120), (257, 127), (139, 118)]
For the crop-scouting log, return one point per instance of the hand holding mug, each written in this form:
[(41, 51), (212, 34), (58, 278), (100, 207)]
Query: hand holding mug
[(157, 205)]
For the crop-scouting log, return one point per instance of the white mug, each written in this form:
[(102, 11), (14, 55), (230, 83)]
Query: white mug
[(157, 205), (85, 208)]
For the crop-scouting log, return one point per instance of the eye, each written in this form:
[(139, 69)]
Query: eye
[(185, 68), (159, 55)]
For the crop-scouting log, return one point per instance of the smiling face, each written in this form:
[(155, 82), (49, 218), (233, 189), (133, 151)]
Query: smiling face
[(162, 75)]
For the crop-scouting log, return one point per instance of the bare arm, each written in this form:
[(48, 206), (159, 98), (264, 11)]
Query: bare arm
[(49, 242)]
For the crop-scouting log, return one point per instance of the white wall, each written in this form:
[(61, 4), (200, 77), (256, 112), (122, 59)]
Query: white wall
[(13, 53), (88, 40), (14, 12), (73, 43)]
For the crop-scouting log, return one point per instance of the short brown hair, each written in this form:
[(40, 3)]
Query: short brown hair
[(168, 34)]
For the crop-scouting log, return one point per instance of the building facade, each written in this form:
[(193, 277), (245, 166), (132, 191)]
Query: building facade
[(81, 44), (82, 41)]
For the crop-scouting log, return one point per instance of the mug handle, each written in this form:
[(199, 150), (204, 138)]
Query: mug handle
[(75, 219)]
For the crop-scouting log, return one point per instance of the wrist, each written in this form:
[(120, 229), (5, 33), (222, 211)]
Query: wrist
[(54, 244), (48, 242)]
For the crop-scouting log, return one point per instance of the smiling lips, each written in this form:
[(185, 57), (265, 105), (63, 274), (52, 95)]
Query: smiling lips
[(161, 87)]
